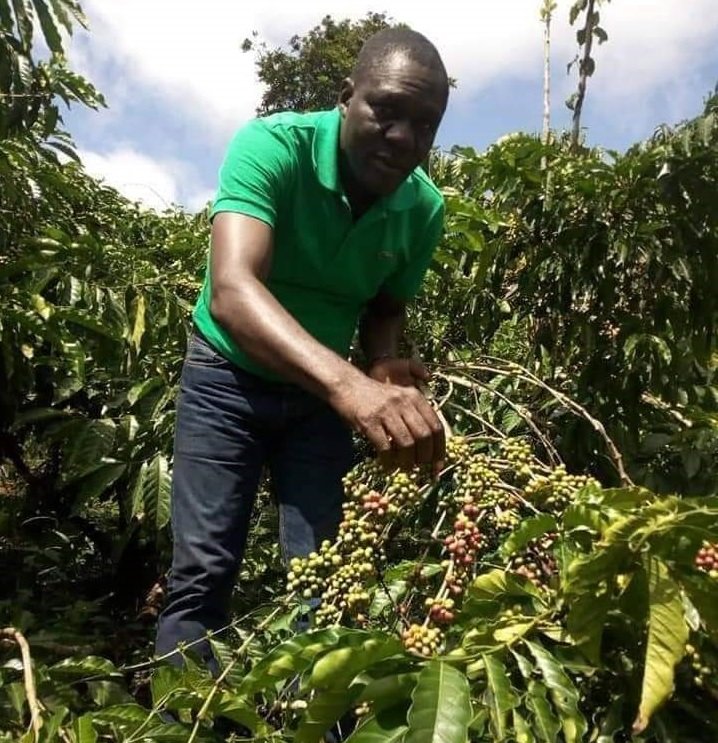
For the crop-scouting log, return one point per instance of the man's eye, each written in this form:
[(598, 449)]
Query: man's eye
[(383, 112)]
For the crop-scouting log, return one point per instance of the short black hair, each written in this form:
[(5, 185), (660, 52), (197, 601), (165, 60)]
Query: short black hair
[(379, 47)]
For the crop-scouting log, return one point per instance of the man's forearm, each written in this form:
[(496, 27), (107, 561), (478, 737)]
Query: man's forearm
[(380, 333), (264, 330)]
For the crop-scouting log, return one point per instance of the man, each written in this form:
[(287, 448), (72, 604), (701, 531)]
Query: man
[(321, 220)]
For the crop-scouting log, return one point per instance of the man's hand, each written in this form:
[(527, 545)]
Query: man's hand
[(404, 372), (396, 418)]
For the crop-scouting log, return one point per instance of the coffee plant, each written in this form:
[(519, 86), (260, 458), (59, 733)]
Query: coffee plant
[(556, 582)]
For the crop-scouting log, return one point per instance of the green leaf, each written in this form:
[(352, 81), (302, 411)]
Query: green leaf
[(127, 717), (522, 730), (587, 571), (586, 621), (497, 584), (383, 599), (23, 16), (562, 691), (324, 710), (612, 722), (500, 697), (73, 668), (163, 682), (576, 9), (85, 319), (227, 657), (59, 8), (152, 492), (292, 657), (175, 733), (703, 596), (667, 637), (240, 710), (600, 34), (49, 28), (89, 445), (339, 666), (96, 483), (138, 391), (387, 726), (583, 516), (138, 327), (441, 706), (6, 21), (546, 723), (528, 530), (388, 691), (83, 730)]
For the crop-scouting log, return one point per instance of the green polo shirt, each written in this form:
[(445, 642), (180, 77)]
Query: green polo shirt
[(284, 170)]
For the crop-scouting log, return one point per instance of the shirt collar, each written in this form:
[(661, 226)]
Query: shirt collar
[(325, 158)]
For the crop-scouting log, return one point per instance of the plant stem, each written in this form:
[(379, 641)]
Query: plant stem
[(30, 692), (583, 75)]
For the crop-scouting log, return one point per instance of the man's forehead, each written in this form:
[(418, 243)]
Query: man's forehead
[(400, 70), (400, 64)]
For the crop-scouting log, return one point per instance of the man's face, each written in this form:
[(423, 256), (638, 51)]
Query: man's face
[(389, 120)]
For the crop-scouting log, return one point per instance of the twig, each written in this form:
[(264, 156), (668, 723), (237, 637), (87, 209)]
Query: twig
[(146, 665), (511, 368), (580, 410), (30, 692), (222, 676), (523, 414)]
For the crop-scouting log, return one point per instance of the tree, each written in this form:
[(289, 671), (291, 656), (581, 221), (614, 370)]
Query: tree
[(586, 63), (307, 75)]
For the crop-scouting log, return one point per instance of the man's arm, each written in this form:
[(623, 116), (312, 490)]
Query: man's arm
[(380, 332), (391, 416)]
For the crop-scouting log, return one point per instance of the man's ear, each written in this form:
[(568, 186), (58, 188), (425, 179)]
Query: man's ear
[(346, 91)]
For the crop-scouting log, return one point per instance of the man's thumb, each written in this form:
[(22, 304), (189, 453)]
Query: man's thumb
[(418, 370)]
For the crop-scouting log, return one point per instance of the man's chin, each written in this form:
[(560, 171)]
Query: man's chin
[(383, 185)]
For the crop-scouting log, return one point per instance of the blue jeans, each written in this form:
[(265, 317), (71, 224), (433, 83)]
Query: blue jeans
[(230, 425)]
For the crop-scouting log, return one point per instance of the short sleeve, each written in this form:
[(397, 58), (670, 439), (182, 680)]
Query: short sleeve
[(405, 282), (255, 168)]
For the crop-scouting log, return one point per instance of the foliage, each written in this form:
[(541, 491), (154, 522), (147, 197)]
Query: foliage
[(515, 598), (575, 623), (609, 278), (307, 76)]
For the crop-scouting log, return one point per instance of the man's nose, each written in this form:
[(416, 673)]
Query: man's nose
[(401, 134)]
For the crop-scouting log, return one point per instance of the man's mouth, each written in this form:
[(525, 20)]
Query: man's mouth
[(389, 165)]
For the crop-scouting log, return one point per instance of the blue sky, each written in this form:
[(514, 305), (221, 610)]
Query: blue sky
[(178, 85)]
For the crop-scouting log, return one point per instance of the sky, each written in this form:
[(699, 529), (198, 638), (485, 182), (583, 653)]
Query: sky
[(178, 85)]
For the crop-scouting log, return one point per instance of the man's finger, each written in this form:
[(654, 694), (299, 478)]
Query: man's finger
[(422, 434), (418, 370), (438, 434), (402, 441)]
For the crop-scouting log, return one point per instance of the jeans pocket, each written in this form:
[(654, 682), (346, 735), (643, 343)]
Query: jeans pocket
[(200, 353)]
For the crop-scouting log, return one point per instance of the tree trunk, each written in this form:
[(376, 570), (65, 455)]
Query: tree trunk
[(583, 74)]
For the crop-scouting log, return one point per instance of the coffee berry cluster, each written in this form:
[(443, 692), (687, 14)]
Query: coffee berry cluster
[(421, 639), (536, 562), (441, 610), (555, 491), (706, 559), (703, 672), (519, 456), (338, 576)]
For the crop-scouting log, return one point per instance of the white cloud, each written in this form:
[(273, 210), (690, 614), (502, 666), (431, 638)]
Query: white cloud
[(188, 53), (136, 176), (199, 199)]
